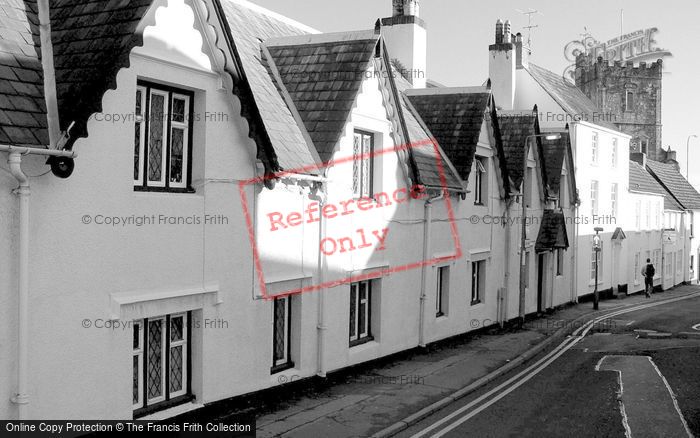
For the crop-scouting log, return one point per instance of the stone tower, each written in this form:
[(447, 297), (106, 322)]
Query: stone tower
[(627, 96)]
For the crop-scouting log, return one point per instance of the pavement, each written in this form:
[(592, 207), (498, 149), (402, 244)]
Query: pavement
[(388, 397)]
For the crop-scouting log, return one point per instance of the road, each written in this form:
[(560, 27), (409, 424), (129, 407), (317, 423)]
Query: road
[(609, 383)]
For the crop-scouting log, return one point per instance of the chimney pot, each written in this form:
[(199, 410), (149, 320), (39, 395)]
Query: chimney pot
[(499, 31), (506, 32)]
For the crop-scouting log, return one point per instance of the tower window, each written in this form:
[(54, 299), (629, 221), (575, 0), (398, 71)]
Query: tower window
[(629, 101)]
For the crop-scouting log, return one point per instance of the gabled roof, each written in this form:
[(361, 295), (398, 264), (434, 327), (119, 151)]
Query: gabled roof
[(552, 233), (323, 76), (432, 164), (23, 119), (92, 40), (640, 181), (677, 186), (569, 97), (455, 116), (555, 154), (249, 27), (514, 127)]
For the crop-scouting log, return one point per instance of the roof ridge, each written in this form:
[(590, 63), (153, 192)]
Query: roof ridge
[(275, 15)]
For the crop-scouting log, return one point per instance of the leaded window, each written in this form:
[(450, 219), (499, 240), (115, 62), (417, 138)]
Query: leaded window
[(160, 360), (162, 138), (360, 311), (362, 170), (281, 336)]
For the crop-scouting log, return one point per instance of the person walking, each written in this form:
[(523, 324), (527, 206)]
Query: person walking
[(648, 272)]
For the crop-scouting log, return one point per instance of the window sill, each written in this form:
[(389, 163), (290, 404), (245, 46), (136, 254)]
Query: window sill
[(362, 341), (141, 189), (279, 368), (475, 303), (142, 412)]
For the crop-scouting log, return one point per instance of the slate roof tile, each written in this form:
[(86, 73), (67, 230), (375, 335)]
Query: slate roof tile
[(671, 179), (554, 152), (552, 234), (336, 75), (249, 27), (92, 41), (569, 97), (514, 128), (22, 118), (455, 120), (641, 181)]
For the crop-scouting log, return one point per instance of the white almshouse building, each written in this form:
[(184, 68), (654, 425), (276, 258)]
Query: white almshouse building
[(204, 199)]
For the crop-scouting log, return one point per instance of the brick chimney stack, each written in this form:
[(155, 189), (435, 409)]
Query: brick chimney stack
[(502, 65), (406, 40)]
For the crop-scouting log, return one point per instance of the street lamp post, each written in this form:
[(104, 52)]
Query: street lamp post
[(551, 137), (687, 156), (596, 247)]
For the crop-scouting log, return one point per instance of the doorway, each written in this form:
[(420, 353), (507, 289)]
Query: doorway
[(540, 282)]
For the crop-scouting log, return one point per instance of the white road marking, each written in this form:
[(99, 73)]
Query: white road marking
[(696, 327), (533, 370), (618, 363), (673, 397)]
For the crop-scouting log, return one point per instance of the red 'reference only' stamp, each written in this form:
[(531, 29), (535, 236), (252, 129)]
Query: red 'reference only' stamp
[(370, 232)]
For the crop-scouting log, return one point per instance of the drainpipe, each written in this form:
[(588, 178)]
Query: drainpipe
[(321, 326), (424, 269), (21, 397), (503, 313), (574, 255)]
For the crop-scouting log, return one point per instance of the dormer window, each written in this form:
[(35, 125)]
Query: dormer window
[(363, 171), (162, 138)]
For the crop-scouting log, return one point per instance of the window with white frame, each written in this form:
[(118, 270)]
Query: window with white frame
[(162, 138), (161, 361), (595, 254), (363, 169), (594, 198), (594, 148), (281, 336), (614, 153), (613, 199), (637, 268), (645, 146), (679, 261), (478, 281), (648, 215), (360, 312), (638, 215), (442, 291), (479, 181)]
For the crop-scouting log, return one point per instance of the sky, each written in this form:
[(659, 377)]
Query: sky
[(459, 33)]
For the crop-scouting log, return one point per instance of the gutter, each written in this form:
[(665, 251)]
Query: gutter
[(424, 269), (21, 397)]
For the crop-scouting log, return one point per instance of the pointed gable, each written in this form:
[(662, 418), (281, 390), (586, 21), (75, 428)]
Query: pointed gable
[(323, 75), (23, 119), (455, 117), (555, 154), (552, 234), (514, 127)]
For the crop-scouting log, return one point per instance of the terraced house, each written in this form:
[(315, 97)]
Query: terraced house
[(232, 190)]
